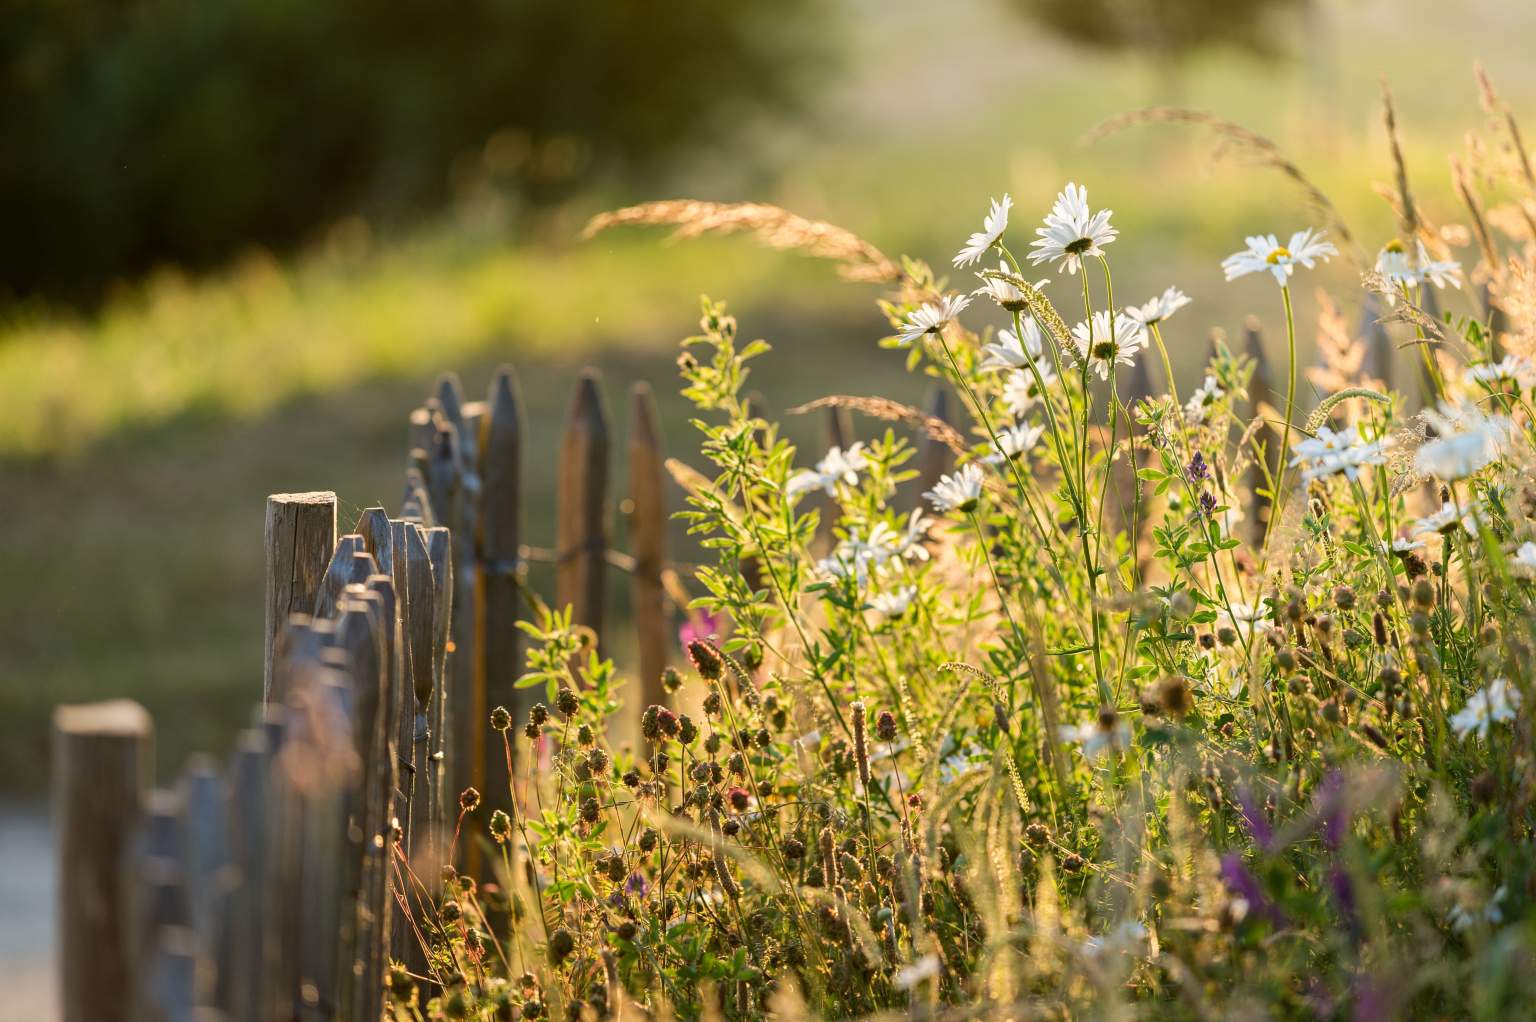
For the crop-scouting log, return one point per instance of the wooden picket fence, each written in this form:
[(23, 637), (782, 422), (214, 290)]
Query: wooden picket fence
[(280, 887)]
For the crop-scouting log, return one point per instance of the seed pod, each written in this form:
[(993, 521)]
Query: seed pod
[(860, 742)]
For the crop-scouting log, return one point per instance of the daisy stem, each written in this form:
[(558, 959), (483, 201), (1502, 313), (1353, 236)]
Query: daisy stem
[(1277, 498)]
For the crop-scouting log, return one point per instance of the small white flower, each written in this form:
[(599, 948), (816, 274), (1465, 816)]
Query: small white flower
[(1251, 619), (842, 566), (992, 228), (1405, 272), (1330, 452), (1105, 733), (1264, 252), (1004, 292), (1523, 560), (959, 491), (931, 318), (1514, 369), (1013, 441), (1071, 234), (1497, 702), (1468, 439), (1104, 348), (1127, 937), (909, 976), (894, 604), (1445, 520), (1159, 308), (1012, 351), (836, 466), (911, 545), (1202, 401), (1402, 546), (1021, 391)]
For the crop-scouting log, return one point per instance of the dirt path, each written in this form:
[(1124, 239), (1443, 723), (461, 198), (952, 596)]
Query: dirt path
[(27, 937)]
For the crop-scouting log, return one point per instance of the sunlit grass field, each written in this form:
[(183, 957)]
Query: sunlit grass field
[(137, 442)]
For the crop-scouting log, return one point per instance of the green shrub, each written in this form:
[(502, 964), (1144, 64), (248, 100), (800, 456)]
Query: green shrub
[(180, 130), (1089, 735)]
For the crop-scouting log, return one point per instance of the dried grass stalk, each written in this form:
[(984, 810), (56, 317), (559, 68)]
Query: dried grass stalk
[(1244, 140), (932, 426), (774, 226)]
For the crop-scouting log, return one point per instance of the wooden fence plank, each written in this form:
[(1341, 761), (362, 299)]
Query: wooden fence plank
[(648, 545), (581, 537), (300, 537), (934, 459), (241, 984), (501, 537), (101, 764), (440, 713)]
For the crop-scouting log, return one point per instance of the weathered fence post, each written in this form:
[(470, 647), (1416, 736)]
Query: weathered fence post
[(501, 536), (300, 537), (101, 764), (581, 536), (934, 459), (648, 545)]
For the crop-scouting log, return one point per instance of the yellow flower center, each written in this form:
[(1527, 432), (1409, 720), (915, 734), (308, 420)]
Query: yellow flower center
[(1278, 254), (1395, 245)]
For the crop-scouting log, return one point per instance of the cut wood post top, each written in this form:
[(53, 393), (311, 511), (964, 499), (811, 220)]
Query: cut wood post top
[(300, 539), (114, 718), (373, 525)]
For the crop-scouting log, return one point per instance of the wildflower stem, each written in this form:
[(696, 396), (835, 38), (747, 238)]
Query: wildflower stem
[(1277, 498)]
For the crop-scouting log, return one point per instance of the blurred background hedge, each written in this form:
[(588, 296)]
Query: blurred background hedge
[(178, 131)]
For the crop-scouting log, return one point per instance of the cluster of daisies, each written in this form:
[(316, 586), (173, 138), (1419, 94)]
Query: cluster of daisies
[(1469, 431)]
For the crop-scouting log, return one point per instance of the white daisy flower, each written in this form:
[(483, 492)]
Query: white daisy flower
[(1004, 292), (1496, 702), (1468, 438), (911, 545), (1445, 520), (893, 604), (1159, 308), (931, 318), (909, 976), (1514, 369), (1126, 938), (1462, 918), (1202, 401), (1071, 234), (1249, 619), (1020, 391), (1105, 733), (836, 466), (1402, 546), (1104, 348), (1013, 441), (844, 565), (1523, 560), (959, 491), (1330, 452), (1264, 252), (1011, 351), (1406, 272), (992, 228)]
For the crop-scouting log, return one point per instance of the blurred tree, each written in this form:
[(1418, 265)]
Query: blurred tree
[(1169, 31), (142, 131)]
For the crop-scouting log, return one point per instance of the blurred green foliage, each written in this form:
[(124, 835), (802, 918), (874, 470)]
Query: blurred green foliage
[(156, 131), (1169, 31)]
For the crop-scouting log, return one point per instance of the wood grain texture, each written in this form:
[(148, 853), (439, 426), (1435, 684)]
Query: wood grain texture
[(648, 544), (501, 536), (300, 537), (101, 762), (581, 508)]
